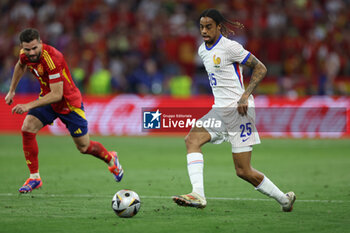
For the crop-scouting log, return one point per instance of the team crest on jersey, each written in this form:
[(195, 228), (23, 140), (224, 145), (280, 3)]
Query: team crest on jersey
[(40, 70), (217, 61)]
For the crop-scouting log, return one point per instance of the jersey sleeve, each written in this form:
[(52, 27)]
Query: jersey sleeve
[(237, 52), (53, 67)]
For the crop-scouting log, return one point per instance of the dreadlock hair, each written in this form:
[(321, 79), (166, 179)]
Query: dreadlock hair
[(220, 19), (28, 35)]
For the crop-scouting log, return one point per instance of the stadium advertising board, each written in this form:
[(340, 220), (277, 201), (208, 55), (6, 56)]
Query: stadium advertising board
[(310, 117)]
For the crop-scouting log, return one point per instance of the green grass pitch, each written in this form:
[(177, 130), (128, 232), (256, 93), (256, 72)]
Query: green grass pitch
[(77, 189)]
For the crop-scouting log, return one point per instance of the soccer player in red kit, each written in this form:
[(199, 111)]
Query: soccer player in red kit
[(59, 98)]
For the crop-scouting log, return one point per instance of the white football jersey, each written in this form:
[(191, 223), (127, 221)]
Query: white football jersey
[(223, 63)]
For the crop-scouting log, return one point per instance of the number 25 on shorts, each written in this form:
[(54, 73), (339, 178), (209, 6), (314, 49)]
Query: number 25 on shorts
[(246, 130)]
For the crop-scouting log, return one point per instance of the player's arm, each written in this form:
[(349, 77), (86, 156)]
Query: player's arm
[(18, 72), (259, 72), (53, 96)]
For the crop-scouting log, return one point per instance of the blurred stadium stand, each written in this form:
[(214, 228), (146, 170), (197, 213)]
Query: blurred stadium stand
[(139, 46)]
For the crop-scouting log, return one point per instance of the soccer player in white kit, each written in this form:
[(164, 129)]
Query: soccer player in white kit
[(233, 106)]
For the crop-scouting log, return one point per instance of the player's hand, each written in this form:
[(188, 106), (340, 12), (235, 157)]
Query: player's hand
[(9, 98), (20, 109), (242, 107)]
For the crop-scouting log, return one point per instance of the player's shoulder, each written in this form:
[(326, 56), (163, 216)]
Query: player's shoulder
[(52, 56), (23, 59), (50, 50), (22, 54), (226, 42), (201, 49)]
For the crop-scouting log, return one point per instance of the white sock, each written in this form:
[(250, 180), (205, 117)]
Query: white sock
[(195, 171), (34, 175), (270, 189)]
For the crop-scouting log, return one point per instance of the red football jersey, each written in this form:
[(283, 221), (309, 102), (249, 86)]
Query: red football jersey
[(52, 68)]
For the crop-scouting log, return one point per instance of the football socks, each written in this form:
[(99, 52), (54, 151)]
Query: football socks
[(195, 171), (30, 149), (34, 176), (270, 189), (99, 151)]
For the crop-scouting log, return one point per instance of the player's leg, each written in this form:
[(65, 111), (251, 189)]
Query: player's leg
[(244, 169), (78, 127), (194, 140), (242, 157), (87, 146), (31, 126)]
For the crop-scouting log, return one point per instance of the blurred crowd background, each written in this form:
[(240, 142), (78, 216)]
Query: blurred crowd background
[(150, 47)]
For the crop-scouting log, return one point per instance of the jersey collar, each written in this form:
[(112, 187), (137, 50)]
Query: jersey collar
[(213, 44)]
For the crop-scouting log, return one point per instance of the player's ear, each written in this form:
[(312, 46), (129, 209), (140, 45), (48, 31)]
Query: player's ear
[(219, 27), (40, 44)]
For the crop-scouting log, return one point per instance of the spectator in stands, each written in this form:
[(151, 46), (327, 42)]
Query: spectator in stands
[(282, 33)]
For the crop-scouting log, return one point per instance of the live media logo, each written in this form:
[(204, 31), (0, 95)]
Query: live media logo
[(151, 120), (174, 120)]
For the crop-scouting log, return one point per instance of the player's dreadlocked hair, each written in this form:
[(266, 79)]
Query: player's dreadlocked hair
[(220, 19), (29, 34)]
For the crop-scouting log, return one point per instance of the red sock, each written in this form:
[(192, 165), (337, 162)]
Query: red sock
[(30, 149), (99, 151)]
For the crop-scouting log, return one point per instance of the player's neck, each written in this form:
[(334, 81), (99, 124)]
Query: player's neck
[(213, 42)]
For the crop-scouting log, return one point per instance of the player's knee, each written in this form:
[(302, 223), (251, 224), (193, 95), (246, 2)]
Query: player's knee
[(82, 148), (31, 124), (186, 139), (27, 127), (190, 142)]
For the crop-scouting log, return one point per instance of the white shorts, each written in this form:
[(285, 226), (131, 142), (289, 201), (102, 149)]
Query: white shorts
[(239, 130)]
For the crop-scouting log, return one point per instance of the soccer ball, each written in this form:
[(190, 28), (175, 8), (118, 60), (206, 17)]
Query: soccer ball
[(126, 203)]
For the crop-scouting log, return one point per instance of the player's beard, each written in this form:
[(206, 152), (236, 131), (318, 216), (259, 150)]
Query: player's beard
[(35, 58)]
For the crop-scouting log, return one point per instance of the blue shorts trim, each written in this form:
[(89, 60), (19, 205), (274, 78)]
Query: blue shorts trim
[(77, 125)]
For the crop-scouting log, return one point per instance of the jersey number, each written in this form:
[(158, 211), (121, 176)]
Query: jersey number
[(212, 80), (246, 129)]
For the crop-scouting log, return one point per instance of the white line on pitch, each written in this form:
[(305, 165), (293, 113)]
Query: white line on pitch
[(163, 197)]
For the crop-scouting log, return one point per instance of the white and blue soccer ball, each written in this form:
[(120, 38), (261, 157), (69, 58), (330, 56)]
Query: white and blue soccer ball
[(126, 203)]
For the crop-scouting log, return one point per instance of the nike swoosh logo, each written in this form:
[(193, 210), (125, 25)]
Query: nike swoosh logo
[(243, 140)]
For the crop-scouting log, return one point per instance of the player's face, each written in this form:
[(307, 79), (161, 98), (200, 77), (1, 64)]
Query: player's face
[(209, 30), (32, 50)]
